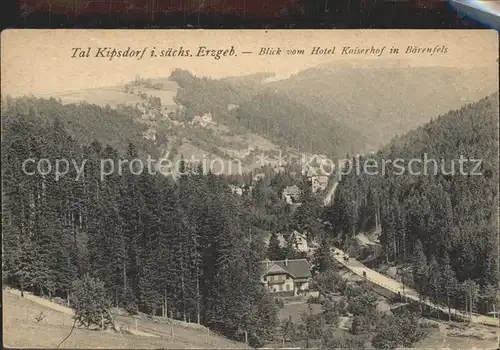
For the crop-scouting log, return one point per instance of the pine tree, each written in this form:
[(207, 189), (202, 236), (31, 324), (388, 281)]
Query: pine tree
[(289, 330), (449, 283), (322, 259), (263, 322), (131, 208), (90, 303), (26, 265), (274, 251), (434, 280), (470, 293), (420, 269), (311, 327)]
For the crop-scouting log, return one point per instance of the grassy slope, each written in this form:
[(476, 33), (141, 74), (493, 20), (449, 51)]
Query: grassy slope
[(115, 95), (22, 330), (100, 96)]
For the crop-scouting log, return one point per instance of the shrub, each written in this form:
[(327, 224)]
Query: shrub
[(279, 302), (402, 330), (90, 303), (429, 324)]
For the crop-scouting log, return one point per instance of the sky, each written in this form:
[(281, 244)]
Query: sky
[(40, 62)]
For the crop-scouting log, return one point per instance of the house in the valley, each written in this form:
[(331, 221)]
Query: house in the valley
[(291, 194), (319, 183), (259, 176), (236, 190), (288, 277), (150, 134), (232, 107), (317, 177), (141, 107), (203, 120)]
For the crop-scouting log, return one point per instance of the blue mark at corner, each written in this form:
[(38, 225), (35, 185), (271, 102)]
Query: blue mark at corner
[(486, 12)]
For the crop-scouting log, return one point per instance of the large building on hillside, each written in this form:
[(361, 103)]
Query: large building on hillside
[(288, 277)]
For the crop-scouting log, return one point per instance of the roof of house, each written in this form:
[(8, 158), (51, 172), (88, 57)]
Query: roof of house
[(320, 178), (259, 176), (296, 234), (276, 269), (292, 190), (316, 171), (298, 268)]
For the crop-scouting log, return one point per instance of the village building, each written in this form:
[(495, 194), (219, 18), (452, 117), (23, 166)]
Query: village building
[(150, 134), (141, 107), (318, 178), (236, 190), (203, 120), (178, 123), (232, 107), (287, 277), (291, 194), (319, 183), (279, 170), (168, 112), (258, 177)]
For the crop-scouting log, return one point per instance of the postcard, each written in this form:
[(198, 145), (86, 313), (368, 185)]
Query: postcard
[(250, 188)]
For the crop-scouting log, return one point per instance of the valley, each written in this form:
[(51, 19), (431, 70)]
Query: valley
[(259, 251), (237, 118)]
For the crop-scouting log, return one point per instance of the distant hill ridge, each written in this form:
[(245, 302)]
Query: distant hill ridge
[(334, 109)]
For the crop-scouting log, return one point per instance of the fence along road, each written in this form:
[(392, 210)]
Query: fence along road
[(396, 287)]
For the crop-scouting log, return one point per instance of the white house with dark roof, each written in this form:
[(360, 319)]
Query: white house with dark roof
[(318, 178), (291, 277), (236, 190), (319, 183), (291, 194)]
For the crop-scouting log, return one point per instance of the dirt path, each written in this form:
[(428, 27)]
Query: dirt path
[(296, 302)]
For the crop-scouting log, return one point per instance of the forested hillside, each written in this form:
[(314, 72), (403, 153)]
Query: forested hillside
[(153, 242), (442, 226), (86, 122), (333, 109), (385, 98), (283, 120), (290, 123)]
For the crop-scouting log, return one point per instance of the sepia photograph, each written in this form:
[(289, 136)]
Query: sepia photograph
[(267, 189)]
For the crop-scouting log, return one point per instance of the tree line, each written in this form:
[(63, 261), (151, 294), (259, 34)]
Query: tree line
[(181, 248), (439, 228)]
